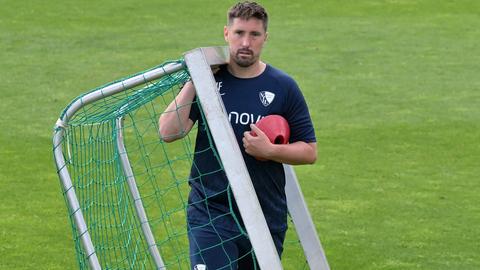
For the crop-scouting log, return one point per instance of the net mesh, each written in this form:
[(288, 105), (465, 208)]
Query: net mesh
[(160, 170)]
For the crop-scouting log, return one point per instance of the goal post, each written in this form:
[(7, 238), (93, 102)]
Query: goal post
[(117, 211), (136, 197), (298, 210)]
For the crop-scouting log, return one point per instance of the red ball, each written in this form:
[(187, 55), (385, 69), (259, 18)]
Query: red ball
[(275, 127)]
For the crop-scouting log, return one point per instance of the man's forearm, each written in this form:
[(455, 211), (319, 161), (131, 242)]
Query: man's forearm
[(295, 154), (174, 123)]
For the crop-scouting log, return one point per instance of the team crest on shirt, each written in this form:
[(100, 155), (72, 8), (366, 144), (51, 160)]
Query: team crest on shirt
[(266, 97)]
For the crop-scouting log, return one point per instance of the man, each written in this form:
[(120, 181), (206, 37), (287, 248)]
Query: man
[(250, 89)]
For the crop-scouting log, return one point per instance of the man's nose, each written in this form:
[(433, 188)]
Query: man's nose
[(246, 42)]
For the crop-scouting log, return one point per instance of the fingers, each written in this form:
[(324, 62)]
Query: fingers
[(256, 143), (247, 137), (254, 140), (215, 68), (256, 129)]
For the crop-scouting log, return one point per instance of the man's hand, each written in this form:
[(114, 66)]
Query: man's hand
[(294, 153), (257, 146)]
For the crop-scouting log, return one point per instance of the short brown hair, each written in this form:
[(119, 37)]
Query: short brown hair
[(247, 10)]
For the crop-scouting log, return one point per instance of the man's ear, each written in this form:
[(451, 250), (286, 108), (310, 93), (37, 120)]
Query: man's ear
[(265, 39), (225, 33)]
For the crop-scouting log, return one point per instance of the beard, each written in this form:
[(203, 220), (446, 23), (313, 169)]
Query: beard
[(244, 58)]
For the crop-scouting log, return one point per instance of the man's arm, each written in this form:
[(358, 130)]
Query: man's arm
[(295, 153), (175, 123)]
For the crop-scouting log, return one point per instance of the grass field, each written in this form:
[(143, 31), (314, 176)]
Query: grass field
[(393, 87)]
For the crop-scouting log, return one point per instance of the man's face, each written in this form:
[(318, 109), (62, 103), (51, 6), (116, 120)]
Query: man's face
[(245, 39)]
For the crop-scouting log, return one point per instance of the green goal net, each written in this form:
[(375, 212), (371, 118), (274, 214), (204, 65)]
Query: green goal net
[(132, 187)]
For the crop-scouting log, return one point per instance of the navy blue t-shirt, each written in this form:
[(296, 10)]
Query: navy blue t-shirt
[(246, 102)]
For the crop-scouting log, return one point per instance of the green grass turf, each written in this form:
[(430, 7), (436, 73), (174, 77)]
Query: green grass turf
[(393, 88)]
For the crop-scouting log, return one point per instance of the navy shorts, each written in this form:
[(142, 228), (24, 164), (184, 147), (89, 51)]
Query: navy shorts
[(213, 249)]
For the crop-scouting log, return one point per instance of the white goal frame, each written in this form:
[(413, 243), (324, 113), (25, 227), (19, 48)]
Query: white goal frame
[(199, 62)]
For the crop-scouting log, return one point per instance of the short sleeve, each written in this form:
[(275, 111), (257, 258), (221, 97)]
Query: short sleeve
[(194, 111), (298, 116)]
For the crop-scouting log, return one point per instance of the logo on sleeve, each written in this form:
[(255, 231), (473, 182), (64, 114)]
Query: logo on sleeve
[(266, 97), (219, 87)]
